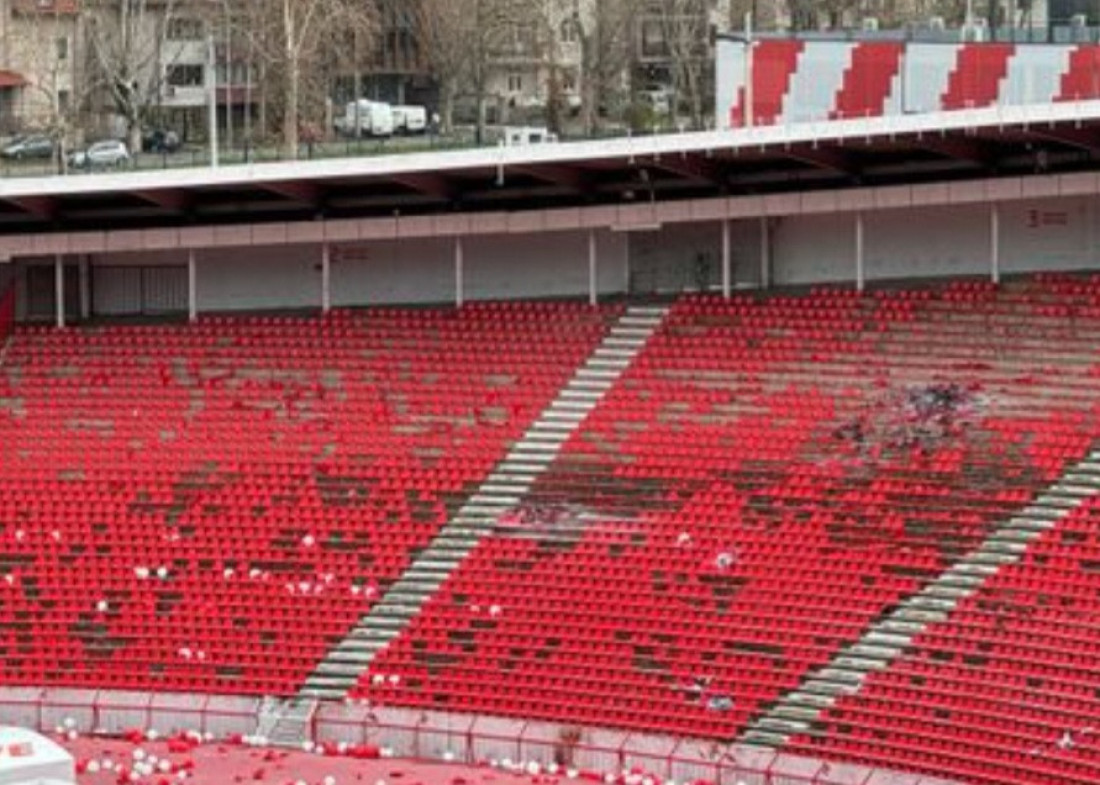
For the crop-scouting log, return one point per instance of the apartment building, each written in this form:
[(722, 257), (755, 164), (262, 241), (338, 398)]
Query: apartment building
[(42, 45)]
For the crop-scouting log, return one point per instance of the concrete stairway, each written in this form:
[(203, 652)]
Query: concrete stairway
[(503, 489), (890, 636)]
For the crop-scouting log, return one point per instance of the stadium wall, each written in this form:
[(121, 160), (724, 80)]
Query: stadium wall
[(935, 242), (810, 239), (410, 271)]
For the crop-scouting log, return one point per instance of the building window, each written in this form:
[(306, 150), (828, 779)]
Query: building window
[(184, 29), (515, 83), (62, 45), (63, 99), (653, 42), (569, 31), (185, 75)]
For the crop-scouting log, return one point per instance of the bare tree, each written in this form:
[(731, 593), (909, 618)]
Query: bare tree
[(293, 40), (802, 13), (606, 38), (685, 27), (127, 46), (447, 38), (58, 92), (463, 40)]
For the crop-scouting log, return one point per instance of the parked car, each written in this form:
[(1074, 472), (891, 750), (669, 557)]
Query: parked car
[(36, 146), (101, 155), (160, 141)]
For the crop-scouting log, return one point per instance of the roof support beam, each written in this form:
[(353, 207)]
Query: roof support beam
[(557, 174), (691, 167), (427, 183), (969, 150), (41, 207), (1085, 139), (302, 193), (831, 158), (174, 201)]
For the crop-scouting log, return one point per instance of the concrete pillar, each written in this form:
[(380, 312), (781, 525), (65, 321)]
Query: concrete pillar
[(859, 252), (85, 288), (59, 289), (460, 295), (192, 286), (593, 261), (995, 242), (765, 254), (326, 278), (727, 271)]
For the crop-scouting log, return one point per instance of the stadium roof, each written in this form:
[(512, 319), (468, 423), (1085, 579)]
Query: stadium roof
[(948, 146)]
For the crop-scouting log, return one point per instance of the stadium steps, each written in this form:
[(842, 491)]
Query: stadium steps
[(502, 489), (892, 634)]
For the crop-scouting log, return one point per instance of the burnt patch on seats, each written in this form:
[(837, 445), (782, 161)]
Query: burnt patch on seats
[(463, 639), (647, 660), (344, 491), (166, 602), (514, 565), (547, 649), (768, 650), (95, 637)]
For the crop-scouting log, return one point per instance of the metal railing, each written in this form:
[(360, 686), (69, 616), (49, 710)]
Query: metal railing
[(440, 736)]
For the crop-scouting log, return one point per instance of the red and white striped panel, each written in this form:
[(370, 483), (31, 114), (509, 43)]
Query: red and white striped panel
[(795, 81), (872, 82), (773, 65), (814, 85), (977, 76), (1081, 80)]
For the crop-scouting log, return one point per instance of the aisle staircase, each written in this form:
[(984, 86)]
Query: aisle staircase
[(889, 637), (503, 489)]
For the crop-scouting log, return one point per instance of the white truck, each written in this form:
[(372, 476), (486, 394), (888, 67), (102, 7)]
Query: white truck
[(409, 119), (366, 118)]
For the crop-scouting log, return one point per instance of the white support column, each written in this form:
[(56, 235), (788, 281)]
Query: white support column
[(727, 272), (59, 289), (192, 286), (859, 251), (765, 253), (995, 242), (85, 288), (593, 261), (626, 262), (326, 278), (460, 295)]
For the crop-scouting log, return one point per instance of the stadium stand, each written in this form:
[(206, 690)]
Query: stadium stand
[(209, 507), (771, 475), (1005, 689)]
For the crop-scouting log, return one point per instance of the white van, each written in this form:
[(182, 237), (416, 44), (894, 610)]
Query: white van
[(519, 136), (367, 118), (410, 119)]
